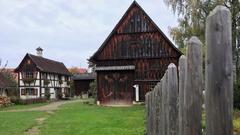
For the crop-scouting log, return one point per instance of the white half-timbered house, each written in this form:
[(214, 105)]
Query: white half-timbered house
[(41, 77)]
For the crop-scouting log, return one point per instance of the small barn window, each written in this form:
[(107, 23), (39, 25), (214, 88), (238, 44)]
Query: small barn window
[(28, 62), (152, 85)]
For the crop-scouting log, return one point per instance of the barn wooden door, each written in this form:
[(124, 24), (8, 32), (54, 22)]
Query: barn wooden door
[(116, 87)]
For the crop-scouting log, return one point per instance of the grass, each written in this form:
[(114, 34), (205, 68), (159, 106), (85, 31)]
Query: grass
[(82, 119), (236, 121), (17, 107), (15, 123)]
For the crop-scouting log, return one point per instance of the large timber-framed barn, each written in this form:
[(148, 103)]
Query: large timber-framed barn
[(135, 53)]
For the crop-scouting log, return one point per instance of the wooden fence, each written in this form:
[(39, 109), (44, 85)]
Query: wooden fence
[(174, 107)]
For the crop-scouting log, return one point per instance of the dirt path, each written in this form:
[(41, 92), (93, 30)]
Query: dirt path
[(50, 107)]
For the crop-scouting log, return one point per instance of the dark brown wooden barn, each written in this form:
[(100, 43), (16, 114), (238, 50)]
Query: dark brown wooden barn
[(136, 52), (82, 83)]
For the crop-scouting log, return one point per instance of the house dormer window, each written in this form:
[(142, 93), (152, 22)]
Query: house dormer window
[(29, 75)]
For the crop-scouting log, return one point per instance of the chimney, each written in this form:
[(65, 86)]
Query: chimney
[(39, 51)]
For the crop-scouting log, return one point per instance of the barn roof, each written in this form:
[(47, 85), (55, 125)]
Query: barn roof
[(110, 68), (46, 65), (85, 76), (134, 4)]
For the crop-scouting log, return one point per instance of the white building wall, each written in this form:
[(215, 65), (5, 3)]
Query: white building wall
[(29, 96), (54, 84), (52, 93)]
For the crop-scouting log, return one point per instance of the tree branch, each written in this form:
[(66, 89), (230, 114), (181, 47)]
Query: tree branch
[(225, 4)]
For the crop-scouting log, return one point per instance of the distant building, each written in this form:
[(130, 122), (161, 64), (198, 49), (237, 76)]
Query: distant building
[(82, 83), (7, 86), (12, 72), (77, 70), (40, 77), (134, 57)]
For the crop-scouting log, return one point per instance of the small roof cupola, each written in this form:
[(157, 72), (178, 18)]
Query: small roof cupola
[(39, 51)]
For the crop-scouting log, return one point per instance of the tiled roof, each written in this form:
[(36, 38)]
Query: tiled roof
[(46, 65), (86, 76), (108, 68), (51, 66)]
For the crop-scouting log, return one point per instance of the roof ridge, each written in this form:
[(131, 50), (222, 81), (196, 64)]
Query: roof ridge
[(46, 65), (44, 58), (134, 3)]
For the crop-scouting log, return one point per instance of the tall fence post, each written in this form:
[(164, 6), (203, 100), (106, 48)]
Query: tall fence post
[(172, 100), (219, 75), (182, 76), (193, 89)]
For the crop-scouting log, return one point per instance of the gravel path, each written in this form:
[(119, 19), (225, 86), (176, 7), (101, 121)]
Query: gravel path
[(50, 107)]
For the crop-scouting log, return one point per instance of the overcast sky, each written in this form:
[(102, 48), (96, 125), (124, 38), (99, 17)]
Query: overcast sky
[(69, 31)]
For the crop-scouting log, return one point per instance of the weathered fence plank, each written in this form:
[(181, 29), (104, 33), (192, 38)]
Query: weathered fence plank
[(193, 89), (147, 112), (164, 115), (159, 109), (182, 77), (153, 97), (151, 112), (172, 100), (219, 76)]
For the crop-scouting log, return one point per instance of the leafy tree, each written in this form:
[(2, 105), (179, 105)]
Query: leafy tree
[(192, 21), (10, 79), (3, 67), (93, 88)]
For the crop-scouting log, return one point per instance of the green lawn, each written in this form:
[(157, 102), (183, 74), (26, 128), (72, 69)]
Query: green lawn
[(15, 123), (80, 119), (16, 107)]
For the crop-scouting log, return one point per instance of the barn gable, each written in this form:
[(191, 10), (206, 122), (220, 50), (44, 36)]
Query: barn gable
[(136, 53), (135, 30)]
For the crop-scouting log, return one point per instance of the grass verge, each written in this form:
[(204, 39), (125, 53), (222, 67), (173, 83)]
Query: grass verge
[(16, 123), (82, 119), (17, 107)]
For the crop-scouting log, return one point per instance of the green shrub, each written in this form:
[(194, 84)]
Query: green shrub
[(28, 101), (93, 89), (47, 96), (236, 95)]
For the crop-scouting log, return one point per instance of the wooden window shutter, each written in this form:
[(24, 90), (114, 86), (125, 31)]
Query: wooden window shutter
[(35, 92), (23, 92), (35, 74)]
